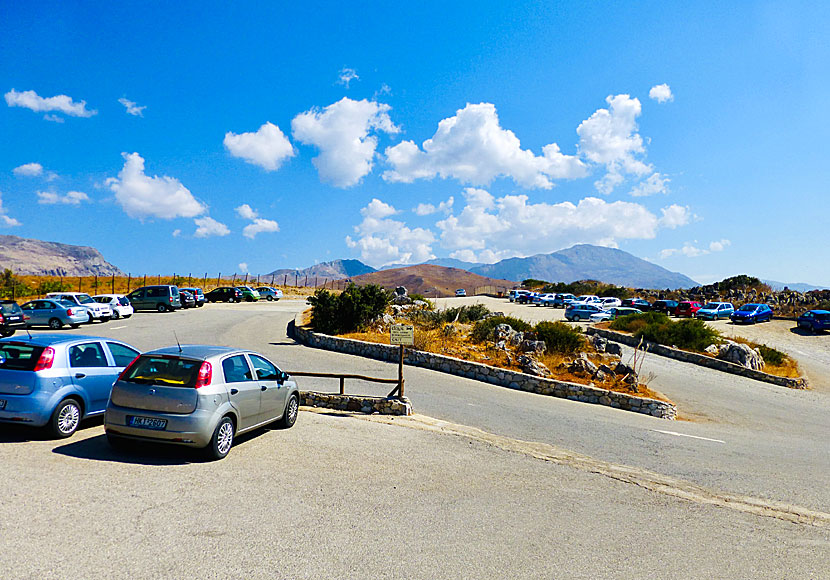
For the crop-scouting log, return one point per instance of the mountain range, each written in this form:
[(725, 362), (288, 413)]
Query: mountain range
[(30, 257)]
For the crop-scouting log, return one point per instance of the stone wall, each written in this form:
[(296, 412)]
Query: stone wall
[(700, 359), (357, 403), (487, 373)]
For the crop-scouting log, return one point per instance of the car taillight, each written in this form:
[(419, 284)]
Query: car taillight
[(171, 299), (2, 319), (205, 375), (45, 360), (127, 369), (69, 312)]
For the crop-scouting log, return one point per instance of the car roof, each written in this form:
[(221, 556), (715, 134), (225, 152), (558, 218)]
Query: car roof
[(49, 339), (198, 351), (819, 311)]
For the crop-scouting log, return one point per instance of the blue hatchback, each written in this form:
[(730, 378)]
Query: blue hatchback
[(814, 320), (57, 380), (752, 313)]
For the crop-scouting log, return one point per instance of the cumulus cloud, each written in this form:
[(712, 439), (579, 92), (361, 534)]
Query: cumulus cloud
[(246, 212), (70, 198), (690, 250), (258, 225), (176, 233), (381, 240), (661, 93), (5, 220), (268, 147), (428, 208), (654, 184), (473, 148), (207, 227), (142, 196), (53, 118), (243, 267), (609, 137), (132, 107), (341, 132), (488, 229), (28, 170), (61, 103), (675, 216), (346, 76)]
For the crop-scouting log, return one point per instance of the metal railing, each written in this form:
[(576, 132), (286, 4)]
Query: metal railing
[(398, 382)]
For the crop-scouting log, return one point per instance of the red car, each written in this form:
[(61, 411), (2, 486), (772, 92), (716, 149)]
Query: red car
[(688, 308)]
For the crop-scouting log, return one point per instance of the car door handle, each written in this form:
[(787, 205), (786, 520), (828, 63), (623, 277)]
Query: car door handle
[(79, 375), (262, 387), (234, 391)]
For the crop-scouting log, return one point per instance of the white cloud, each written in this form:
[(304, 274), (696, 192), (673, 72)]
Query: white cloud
[(142, 196), (656, 183), (246, 212), (675, 216), (489, 229), (609, 137), (53, 118), (176, 233), (661, 93), (385, 241), (243, 267), (132, 107), (268, 147), (38, 104), (341, 132), (428, 208), (52, 198), (5, 220), (28, 170), (259, 226), (690, 250), (207, 226), (473, 148), (346, 76)]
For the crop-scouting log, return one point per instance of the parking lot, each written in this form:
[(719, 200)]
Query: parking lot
[(339, 496)]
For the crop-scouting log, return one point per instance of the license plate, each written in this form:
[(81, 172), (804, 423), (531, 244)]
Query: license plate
[(147, 422), (2, 404)]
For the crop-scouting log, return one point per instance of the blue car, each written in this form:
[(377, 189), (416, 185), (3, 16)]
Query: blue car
[(752, 313), (814, 320), (577, 311), (56, 381), (716, 311)]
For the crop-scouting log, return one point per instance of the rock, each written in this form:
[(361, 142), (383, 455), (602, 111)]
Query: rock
[(535, 346), (606, 370), (600, 343), (743, 355), (583, 365), (614, 349), (396, 310), (398, 299), (532, 367), (420, 304), (401, 291), (503, 331), (516, 338), (712, 349)]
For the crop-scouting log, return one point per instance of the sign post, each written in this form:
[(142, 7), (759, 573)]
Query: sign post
[(402, 335)]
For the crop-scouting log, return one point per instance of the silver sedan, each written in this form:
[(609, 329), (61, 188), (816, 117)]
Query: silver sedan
[(54, 313), (199, 396)]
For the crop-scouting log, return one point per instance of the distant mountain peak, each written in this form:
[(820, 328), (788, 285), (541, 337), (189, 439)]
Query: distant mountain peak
[(333, 270), (31, 257)]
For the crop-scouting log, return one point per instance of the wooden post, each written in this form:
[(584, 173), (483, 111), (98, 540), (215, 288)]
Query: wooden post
[(342, 385), (204, 283), (145, 279), (188, 278), (79, 283), (112, 285), (219, 279), (285, 281), (129, 279), (246, 279), (400, 374)]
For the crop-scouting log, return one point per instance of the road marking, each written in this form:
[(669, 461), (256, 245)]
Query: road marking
[(117, 327), (684, 435)]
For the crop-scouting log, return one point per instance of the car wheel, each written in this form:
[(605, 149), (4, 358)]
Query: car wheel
[(161, 308), (269, 298), (66, 418), (292, 409), (91, 320), (116, 315), (7, 332), (55, 324), (222, 440)]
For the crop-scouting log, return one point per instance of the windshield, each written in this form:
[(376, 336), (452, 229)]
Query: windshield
[(711, 306), (19, 357), (9, 308), (159, 370), (85, 299), (748, 307)]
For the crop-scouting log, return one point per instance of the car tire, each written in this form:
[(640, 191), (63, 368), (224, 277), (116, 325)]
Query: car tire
[(269, 298), (91, 319), (55, 324), (222, 440), (116, 315), (289, 415), (6, 332), (65, 419), (161, 308)]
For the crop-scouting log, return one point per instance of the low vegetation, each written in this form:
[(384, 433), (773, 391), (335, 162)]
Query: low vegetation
[(351, 310), (484, 330), (689, 333), (560, 337)]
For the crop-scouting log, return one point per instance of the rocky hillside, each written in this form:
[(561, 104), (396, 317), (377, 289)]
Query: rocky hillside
[(432, 281), (335, 270), (38, 258)]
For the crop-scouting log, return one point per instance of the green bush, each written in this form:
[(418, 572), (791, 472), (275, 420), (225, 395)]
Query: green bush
[(11, 286), (483, 329), (771, 356), (560, 337), (52, 286), (533, 283), (689, 333), (351, 310)]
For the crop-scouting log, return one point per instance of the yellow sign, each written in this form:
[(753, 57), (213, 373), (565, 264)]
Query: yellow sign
[(402, 334)]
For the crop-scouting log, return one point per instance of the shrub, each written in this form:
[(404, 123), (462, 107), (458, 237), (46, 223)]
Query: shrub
[(771, 356), (615, 292), (351, 310), (689, 333), (560, 337), (430, 304), (483, 329), (52, 286), (533, 283), (11, 286)]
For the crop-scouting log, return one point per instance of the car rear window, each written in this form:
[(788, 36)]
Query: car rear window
[(19, 357), (163, 370), (123, 301), (10, 308)]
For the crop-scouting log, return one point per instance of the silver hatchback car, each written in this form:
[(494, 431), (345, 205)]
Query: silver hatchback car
[(199, 396)]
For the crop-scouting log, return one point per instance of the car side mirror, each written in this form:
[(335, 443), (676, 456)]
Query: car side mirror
[(282, 376)]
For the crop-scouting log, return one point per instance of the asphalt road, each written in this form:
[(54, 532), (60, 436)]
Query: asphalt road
[(342, 497)]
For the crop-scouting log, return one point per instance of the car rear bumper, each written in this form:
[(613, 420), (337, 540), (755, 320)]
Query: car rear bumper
[(192, 430), (33, 409)]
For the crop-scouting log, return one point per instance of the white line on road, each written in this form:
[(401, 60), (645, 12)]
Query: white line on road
[(684, 435), (117, 327)]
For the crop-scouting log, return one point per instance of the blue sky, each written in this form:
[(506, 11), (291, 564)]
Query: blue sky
[(193, 137)]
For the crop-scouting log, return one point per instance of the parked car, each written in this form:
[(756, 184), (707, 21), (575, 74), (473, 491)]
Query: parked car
[(95, 311), (526, 298), (514, 294), (163, 298), (57, 381), (187, 299), (638, 303), (665, 306), (562, 300), (199, 396), (716, 311), (269, 293), (11, 318), (544, 299), (752, 313), (687, 308), (198, 295), (461, 292), (248, 293), (224, 294), (610, 302), (589, 299), (614, 313), (814, 320), (577, 311), (119, 304), (54, 313)]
